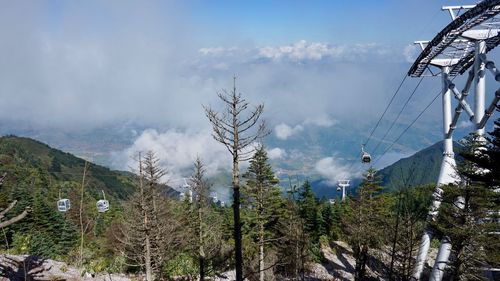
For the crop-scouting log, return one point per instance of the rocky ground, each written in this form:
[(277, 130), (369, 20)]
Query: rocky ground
[(339, 264), (23, 267)]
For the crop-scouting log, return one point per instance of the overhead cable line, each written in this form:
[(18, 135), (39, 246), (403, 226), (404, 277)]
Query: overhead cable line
[(409, 126), (399, 115), (385, 110)]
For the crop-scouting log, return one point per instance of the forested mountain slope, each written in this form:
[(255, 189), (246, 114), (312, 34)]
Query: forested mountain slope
[(419, 169), (38, 176)]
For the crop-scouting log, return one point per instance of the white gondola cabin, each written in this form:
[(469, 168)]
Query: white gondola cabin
[(103, 204), (63, 205), (365, 156)]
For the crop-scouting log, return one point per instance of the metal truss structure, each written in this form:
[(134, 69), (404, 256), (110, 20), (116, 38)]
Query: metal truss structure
[(454, 46), (461, 45)]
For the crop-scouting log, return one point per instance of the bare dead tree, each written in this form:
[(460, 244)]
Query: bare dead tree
[(237, 128), (149, 233), (206, 232), (409, 216), (9, 208), (82, 227)]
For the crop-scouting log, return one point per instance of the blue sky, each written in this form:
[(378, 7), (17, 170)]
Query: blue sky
[(280, 22), (350, 22), (270, 22)]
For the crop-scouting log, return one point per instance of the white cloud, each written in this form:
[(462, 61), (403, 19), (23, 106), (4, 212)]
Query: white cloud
[(177, 152), (321, 121), (276, 153), (303, 51), (218, 51), (332, 170), (284, 131), (298, 51), (411, 52), (464, 124)]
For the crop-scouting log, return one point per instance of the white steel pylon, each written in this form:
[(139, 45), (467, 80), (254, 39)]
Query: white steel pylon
[(461, 44), (447, 175), (343, 184)]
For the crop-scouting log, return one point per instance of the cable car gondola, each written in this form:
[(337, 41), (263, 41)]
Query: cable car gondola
[(103, 204), (365, 157), (63, 205)]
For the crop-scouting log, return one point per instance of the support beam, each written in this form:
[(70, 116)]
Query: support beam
[(461, 100), (480, 91), (453, 125), (468, 83), (447, 174), (451, 9), (441, 260), (461, 97), (490, 65), (490, 110)]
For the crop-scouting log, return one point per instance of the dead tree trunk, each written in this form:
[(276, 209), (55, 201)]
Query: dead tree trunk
[(82, 228), (233, 128)]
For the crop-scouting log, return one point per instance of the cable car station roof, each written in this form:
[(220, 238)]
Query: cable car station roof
[(455, 45)]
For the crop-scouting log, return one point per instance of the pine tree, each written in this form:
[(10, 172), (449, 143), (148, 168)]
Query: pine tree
[(308, 210), (294, 249), (362, 223), (263, 197), (329, 220), (484, 155)]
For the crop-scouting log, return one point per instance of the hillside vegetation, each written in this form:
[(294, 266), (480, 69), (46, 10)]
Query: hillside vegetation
[(420, 168), (38, 176)]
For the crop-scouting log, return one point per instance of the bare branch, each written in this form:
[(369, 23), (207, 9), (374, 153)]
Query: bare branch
[(2, 178), (11, 205), (16, 218), (252, 119)]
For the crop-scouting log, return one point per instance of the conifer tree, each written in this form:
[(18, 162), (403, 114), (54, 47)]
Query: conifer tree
[(294, 248), (309, 211), (362, 223), (263, 197)]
